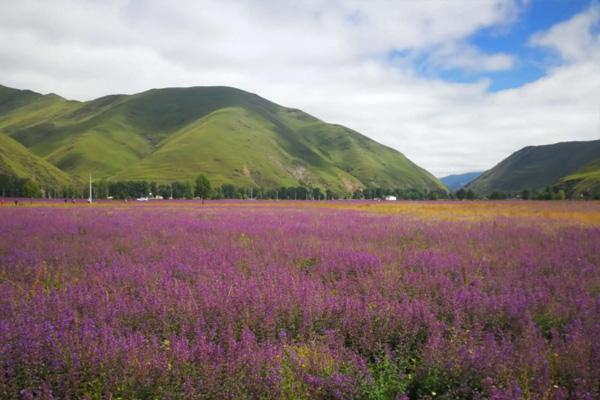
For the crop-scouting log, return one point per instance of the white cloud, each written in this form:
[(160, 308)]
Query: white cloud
[(574, 39), (328, 57), (468, 58)]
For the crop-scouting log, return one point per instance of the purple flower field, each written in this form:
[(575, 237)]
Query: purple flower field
[(295, 302)]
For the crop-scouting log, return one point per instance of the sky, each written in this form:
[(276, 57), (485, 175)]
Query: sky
[(455, 85)]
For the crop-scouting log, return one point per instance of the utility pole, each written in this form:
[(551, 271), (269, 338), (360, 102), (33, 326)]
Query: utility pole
[(90, 199)]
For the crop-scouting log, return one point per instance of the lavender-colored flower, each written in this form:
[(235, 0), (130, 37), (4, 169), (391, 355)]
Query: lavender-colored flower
[(231, 300)]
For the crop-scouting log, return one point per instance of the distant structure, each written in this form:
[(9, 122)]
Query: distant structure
[(391, 198), (90, 198)]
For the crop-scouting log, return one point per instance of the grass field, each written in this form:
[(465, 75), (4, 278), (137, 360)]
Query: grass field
[(300, 300)]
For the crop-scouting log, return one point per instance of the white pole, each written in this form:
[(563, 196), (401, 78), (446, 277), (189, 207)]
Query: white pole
[(90, 199)]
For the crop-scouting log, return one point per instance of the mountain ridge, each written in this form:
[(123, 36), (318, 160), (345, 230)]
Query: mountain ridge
[(254, 142), (457, 181), (536, 167)]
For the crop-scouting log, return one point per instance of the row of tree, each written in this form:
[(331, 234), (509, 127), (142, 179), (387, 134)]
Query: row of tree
[(200, 188), (549, 193), (11, 186)]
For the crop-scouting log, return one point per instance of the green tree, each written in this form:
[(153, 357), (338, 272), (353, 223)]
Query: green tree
[(164, 191), (301, 193), (8, 185), (30, 188), (100, 189), (358, 194), (182, 190), (433, 195), (218, 193), (228, 190), (316, 193), (153, 188), (203, 187)]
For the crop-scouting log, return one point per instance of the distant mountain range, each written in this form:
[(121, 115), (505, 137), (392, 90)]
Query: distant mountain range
[(457, 181), (574, 166), (163, 135)]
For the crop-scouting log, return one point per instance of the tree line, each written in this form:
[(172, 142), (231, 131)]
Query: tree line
[(201, 187), (548, 193), (12, 186)]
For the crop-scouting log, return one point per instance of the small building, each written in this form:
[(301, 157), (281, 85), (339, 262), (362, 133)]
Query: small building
[(391, 198)]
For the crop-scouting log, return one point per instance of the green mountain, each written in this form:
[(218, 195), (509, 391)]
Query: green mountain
[(228, 134), (537, 167), (18, 162)]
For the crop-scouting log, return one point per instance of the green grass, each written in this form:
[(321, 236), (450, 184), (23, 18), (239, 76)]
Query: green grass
[(223, 145), (16, 160), (584, 180), (229, 135), (536, 167)]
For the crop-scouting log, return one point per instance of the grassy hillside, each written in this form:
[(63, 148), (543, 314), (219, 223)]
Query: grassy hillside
[(585, 181), (536, 167), (17, 161), (177, 133)]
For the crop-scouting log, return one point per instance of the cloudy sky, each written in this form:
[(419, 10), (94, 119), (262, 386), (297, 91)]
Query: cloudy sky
[(456, 85)]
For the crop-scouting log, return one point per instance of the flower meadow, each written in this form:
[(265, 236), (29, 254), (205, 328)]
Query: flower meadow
[(286, 300)]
